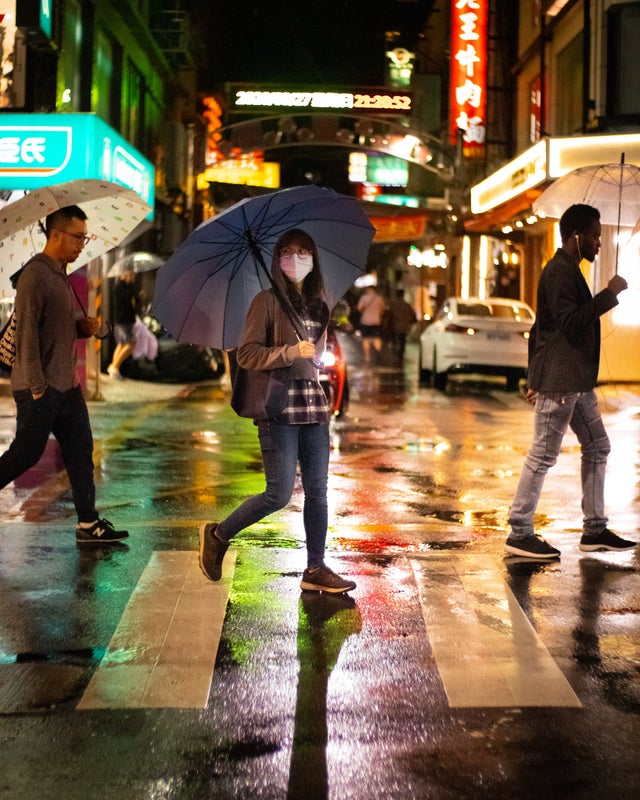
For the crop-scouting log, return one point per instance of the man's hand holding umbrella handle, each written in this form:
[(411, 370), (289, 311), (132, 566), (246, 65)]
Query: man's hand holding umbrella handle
[(617, 284)]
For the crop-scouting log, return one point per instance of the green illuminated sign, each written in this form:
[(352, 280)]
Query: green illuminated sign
[(45, 17), (387, 171), (41, 149)]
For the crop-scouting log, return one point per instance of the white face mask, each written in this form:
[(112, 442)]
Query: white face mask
[(296, 267)]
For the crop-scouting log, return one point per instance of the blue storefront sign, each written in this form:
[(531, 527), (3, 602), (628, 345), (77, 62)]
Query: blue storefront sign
[(42, 149)]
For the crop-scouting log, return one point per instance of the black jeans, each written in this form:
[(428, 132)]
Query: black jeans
[(65, 415)]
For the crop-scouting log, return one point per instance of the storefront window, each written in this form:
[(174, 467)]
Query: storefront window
[(68, 93), (132, 105), (623, 91), (569, 90), (102, 77)]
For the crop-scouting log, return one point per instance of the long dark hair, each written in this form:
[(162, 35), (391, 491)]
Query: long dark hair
[(311, 296)]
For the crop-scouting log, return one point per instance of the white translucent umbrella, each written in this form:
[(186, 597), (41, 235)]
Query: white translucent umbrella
[(113, 212), (140, 261), (614, 189)]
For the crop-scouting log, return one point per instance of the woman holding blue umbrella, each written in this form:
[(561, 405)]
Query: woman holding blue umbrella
[(284, 337)]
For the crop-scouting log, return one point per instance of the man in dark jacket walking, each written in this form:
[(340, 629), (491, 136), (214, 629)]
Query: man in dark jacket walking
[(45, 386), (564, 357)]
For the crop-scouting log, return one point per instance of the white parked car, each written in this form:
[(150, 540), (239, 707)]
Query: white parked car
[(488, 336)]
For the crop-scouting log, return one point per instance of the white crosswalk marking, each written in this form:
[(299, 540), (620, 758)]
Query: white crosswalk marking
[(487, 652), (163, 651)]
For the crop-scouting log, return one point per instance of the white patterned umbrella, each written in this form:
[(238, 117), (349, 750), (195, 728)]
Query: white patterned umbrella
[(113, 212)]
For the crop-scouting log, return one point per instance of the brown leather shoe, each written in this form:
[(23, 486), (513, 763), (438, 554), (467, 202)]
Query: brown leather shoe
[(212, 551)]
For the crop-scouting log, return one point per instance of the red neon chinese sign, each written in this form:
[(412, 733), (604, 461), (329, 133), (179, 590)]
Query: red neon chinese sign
[(468, 81)]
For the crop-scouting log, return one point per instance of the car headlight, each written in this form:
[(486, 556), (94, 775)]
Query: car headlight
[(328, 359)]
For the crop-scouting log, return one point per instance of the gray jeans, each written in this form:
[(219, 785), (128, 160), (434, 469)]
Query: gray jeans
[(554, 413)]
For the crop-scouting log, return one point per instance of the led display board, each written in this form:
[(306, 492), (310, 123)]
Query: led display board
[(41, 149), (251, 99), (468, 77)]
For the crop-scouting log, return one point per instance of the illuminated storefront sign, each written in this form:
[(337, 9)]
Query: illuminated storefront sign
[(41, 149), (380, 170), (524, 172), (34, 15), (468, 78), (261, 98), (551, 158), (398, 229), (535, 109), (400, 66), (248, 173)]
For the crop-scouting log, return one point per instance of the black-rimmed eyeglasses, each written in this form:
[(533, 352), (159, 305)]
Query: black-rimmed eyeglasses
[(79, 236)]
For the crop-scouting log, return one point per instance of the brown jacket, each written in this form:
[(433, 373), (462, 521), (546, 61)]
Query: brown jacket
[(269, 339), (46, 330)]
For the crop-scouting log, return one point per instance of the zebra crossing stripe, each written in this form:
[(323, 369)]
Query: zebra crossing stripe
[(487, 652), (164, 649)]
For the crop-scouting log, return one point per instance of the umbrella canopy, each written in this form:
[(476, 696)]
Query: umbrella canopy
[(614, 189), (135, 262), (113, 211), (203, 292)]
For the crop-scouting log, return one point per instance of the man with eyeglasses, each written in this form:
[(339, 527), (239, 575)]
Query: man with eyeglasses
[(45, 386)]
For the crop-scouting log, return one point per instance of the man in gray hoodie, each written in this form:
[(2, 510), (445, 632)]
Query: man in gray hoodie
[(45, 386)]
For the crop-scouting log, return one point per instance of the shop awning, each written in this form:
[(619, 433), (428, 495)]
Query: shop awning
[(499, 216)]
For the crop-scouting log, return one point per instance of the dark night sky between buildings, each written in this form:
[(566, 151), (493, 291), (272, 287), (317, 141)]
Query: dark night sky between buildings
[(323, 42)]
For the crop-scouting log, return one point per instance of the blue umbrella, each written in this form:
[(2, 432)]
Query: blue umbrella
[(204, 290)]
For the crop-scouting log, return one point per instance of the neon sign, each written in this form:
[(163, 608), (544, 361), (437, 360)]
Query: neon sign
[(468, 82)]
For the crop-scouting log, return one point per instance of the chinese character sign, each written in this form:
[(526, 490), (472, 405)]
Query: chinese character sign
[(468, 82)]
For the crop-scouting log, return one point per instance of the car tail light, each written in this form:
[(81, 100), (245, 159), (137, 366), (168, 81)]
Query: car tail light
[(451, 328)]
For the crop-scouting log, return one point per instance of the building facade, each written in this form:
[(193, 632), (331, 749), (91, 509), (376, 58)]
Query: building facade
[(121, 77), (576, 102)]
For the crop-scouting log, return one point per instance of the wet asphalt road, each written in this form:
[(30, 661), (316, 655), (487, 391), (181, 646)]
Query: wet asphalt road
[(376, 696)]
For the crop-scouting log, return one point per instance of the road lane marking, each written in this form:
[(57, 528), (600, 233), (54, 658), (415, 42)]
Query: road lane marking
[(486, 650), (164, 649)]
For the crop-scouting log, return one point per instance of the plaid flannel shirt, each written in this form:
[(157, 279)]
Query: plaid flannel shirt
[(306, 400)]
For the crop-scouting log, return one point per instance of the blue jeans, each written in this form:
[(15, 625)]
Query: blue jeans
[(283, 447), (554, 413), (65, 415)]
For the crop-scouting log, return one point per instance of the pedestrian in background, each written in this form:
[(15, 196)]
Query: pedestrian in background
[(403, 318), (564, 356), (371, 307), (298, 432), (125, 310), (45, 386)]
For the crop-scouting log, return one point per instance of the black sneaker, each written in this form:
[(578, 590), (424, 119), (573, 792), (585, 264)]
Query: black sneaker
[(323, 579), (101, 532), (605, 540), (212, 551), (530, 547)]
